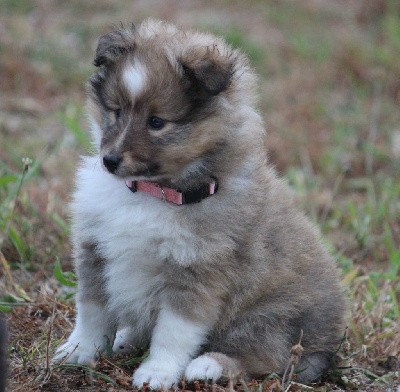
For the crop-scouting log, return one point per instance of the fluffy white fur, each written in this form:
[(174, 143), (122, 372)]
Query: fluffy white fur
[(135, 78), (127, 226), (202, 368), (174, 340)]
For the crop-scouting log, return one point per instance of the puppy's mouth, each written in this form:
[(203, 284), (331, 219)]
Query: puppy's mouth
[(147, 170)]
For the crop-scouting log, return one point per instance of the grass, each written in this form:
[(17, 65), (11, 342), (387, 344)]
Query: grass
[(330, 94)]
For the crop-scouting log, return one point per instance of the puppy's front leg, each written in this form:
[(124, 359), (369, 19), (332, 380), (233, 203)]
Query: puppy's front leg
[(93, 325), (174, 342), (89, 336)]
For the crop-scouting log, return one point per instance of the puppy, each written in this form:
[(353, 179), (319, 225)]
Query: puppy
[(185, 240)]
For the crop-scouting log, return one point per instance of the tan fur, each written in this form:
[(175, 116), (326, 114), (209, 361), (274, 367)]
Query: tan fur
[(260, 274)]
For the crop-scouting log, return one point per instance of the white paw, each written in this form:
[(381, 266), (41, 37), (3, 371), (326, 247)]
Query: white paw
[(124, 341), (75, 351), (202, 368), (157, 375)]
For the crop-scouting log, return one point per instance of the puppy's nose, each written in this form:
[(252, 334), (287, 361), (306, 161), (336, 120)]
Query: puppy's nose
[(111, 162)]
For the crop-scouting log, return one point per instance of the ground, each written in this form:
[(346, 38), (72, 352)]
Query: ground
[(330, 95)]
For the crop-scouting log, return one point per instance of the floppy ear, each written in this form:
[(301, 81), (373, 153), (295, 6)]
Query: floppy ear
[(113, 45), (208, 71)]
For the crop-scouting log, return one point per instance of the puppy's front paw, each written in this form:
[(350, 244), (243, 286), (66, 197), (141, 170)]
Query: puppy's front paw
[(203, 368), (77, 350), (157, 375)]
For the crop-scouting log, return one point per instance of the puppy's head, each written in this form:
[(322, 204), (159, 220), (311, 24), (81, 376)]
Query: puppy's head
[(163, 101)]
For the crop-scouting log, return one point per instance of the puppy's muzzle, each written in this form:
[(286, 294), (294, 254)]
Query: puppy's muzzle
[(111, 162)]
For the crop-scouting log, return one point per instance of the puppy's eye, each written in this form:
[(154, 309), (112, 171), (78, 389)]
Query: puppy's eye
[(117, 113), (156, 122)]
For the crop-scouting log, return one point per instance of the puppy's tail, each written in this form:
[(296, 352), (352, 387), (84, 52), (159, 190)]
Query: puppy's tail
[(213, 366)]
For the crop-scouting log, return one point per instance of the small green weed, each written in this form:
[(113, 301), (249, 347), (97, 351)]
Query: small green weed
[(65, 278), (10, 189)]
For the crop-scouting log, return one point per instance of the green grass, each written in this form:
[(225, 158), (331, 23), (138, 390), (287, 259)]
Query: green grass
[(235, 37)]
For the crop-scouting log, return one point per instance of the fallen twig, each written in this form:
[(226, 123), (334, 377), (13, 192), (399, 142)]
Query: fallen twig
[(295, 356)]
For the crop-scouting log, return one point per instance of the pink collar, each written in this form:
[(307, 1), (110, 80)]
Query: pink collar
[(173, 195)]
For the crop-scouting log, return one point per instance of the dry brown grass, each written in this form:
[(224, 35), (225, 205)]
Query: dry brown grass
[(330, 93)]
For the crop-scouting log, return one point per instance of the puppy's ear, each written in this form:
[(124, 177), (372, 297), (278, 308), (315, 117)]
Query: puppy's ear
[(208, 71), (114, 44)]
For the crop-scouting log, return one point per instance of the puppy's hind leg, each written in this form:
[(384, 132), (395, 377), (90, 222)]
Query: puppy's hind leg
[(93, 325), (312, 366), (125, 341), (213, 366)]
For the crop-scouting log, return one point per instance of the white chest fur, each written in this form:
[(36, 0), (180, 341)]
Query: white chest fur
[(135, 233)]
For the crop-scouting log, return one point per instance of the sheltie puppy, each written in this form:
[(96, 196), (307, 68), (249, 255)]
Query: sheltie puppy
[(185, 240)]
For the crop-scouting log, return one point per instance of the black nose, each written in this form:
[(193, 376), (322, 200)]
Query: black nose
[(111, 162)]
